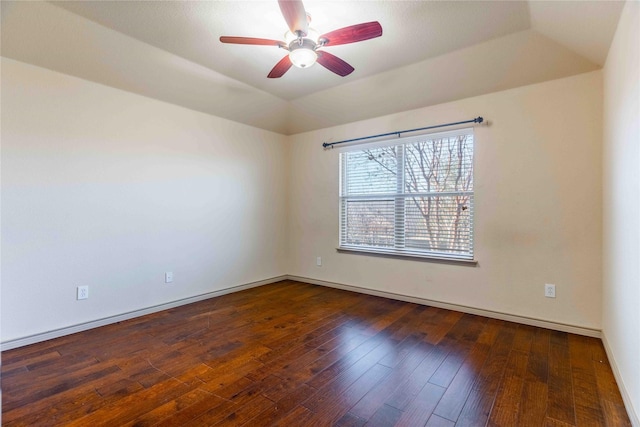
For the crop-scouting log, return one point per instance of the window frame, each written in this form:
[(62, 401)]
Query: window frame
[(399, 198)]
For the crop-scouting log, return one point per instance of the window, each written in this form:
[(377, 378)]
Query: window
[(411, 196)]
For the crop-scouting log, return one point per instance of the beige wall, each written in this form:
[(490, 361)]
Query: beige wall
[(538, 206), (104, 188), (621, 284)]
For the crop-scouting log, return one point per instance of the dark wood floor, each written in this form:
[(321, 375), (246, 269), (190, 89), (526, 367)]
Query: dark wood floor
[(293, 354)]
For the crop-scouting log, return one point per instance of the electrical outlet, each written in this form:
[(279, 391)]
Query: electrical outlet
[(550, 290), (168, 277), (82, 292), (319, 261)]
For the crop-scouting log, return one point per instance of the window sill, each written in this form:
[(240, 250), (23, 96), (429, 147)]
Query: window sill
[(408, 255)]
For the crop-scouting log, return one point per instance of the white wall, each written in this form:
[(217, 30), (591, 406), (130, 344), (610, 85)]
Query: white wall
[(537, 200), (109, 189), (621, 284)]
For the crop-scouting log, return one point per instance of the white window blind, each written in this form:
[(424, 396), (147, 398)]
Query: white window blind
[(409, 196)]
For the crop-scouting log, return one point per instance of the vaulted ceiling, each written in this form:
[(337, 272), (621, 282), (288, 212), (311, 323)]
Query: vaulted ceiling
[(430, 52)]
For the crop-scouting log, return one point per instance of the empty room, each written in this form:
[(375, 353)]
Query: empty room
[(320, 213)]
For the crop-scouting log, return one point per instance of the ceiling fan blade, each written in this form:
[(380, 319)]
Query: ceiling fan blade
[(295, 15), (252, 41), (352, 34), (281, 67), (334, 64)]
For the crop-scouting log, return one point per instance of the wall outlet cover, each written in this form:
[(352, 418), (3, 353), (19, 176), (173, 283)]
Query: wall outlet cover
[(82, 292), (549, 290)]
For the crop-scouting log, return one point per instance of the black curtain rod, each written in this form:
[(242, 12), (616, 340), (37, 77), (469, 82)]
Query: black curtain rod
[(331, 144)]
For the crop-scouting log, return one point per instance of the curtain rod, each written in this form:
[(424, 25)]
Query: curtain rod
[(331, 144)]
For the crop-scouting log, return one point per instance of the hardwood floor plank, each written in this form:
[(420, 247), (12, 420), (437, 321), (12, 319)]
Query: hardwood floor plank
[(245, 415), (477, 408), (399, 375), (283, 406), (22, 364), (507, 404), (391, 322), (385, 416), (302, 354), (458, 342), (440, 325), (421, 408), (368, 369), (306, 338), (533, 401), (456, 394), (523, 338), (118, 388), (329, 404), (55, 386), (21, 385), (467, 328), (560, 404), (400, 352), (587, 403), (219, 378), (300, 416), (611, 402), (308, 366), (615, 414), (33, 351), (166, 410), (406, 392), (183, 416), (350, 420), (552, 422), (133, 405), (373, 350), (294, 354), (436, 421), (214, 415), (457, 352), (71, 404)]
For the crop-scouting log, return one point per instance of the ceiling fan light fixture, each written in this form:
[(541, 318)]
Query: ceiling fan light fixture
[(302, 55), (303, 58)]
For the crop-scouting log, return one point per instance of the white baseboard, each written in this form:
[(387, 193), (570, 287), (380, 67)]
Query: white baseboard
[(32, 339), (596, 333), (628, 402)]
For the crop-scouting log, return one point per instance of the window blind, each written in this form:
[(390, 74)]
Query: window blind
[(409, 196)]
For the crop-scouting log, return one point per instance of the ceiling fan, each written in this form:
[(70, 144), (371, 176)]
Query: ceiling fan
[(303, 43)]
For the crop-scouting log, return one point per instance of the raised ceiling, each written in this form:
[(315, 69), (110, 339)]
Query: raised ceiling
[(430, 52)]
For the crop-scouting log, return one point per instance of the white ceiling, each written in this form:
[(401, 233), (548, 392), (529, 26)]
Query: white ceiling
[(430, 52)]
